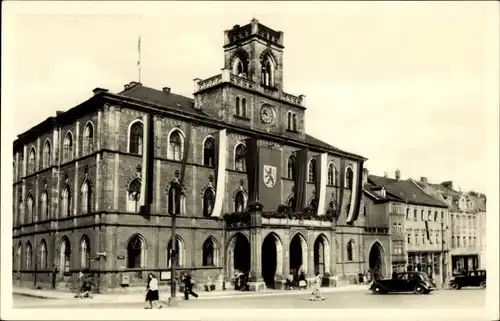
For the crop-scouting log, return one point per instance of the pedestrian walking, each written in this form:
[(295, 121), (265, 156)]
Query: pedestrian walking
[(152, 295), (85, 286), (188, 286), (316, 294)]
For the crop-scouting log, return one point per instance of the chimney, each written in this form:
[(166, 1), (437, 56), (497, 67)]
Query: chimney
[(166, 89), (98, 90), (447, 184), (423, 179), (59, 113), (398, 174), (386, 174)]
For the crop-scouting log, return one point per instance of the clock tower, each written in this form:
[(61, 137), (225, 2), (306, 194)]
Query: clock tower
[(249, 91)]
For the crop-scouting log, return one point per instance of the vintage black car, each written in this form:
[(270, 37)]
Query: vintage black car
[(418, 282), (471, 278)]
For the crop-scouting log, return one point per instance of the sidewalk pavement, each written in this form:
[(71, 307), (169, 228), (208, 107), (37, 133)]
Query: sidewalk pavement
[(135, 297)]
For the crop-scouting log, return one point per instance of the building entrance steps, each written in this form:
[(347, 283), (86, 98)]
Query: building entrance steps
[(134, 297)]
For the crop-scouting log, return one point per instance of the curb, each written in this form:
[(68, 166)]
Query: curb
[(124, 300), (36, 296)]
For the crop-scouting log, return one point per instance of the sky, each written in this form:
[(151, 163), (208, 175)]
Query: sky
[(409, 85)]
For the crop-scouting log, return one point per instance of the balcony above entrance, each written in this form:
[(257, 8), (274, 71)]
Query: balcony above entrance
[(256, 218)]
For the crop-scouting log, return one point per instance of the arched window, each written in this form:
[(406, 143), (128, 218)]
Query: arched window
[(208, 202), (210, 252), (240, 67), (88, 139), (43, 255), (180, 252), (85, 253), (32, 161), (243, 107), (44, 207), (136, 133), (47, 152), (30, 213), (175, 199), (331, 175), (68, 147), (294, 122), (312, 171), (66, 202), (136, 252), (64, 255), (348, 178), (291, 167), (350, 250), (19, 256), (289, 120), (86, 198), (239, 202), (28, 256), (267, 73), (175, 146), (239, 158), (209, 152), (237, 106), (134, 196)]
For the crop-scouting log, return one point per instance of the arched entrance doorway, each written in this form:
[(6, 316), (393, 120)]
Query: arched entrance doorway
[(376, 259), (298, 253), (271, 259), (321, 255), (241, 253)]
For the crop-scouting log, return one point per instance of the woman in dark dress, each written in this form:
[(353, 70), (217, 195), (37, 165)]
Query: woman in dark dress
[(152, 295)]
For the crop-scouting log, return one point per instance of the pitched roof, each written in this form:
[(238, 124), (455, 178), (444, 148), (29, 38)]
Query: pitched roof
[(406, 190), (314, 141), (186, 105), (162, 98)]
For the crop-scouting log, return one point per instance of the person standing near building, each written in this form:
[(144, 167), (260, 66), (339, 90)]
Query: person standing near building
[(152, 296), (53, 275)]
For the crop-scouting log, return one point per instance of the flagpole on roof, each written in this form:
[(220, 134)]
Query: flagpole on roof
[(139, 51)]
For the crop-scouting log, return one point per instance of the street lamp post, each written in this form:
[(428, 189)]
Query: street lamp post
[(173, 215), (443, 272)]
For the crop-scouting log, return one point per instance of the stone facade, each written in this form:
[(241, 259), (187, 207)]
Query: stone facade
[(74, 213)]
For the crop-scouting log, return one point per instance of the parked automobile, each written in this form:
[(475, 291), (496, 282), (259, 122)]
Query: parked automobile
[(418, 282), (472, 278)]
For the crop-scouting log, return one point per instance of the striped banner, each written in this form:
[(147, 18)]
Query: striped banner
[(220, 171), (341, 184), (356, 194), (145, 160), (300, 179), (322, 172)]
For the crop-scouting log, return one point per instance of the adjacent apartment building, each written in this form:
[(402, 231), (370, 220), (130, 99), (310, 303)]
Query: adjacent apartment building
[(417, 221), (467, 224)]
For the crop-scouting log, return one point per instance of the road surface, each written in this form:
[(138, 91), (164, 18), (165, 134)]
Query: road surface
[(442, 299)]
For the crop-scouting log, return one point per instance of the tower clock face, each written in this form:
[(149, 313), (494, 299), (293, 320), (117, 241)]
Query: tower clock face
[(267, 114)]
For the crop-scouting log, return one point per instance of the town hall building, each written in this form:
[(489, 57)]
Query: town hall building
[(96, 187)]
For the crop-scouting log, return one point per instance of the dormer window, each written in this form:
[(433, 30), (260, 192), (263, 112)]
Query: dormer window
[(382, 192)]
